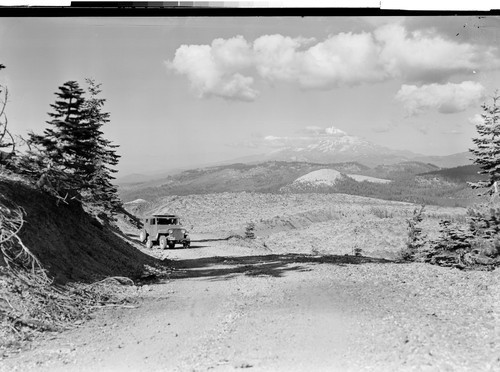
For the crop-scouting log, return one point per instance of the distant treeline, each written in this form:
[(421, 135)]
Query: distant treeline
[(406, 190), (410, 190)]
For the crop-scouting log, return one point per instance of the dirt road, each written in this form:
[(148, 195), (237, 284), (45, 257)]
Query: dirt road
[(229, 307)]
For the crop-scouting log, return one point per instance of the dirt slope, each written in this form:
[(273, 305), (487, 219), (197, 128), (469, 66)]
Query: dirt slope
[(70, 244)]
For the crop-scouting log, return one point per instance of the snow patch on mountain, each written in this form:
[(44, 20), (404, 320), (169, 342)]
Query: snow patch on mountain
[(321, 178), (326, 177), (332, 145)]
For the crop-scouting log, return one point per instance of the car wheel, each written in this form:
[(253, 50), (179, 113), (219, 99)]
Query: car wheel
[(186, 245), (163, 242), (143, 236), (149, 243), (171, 245)]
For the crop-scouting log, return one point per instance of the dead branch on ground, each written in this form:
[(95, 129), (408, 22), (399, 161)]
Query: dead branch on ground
[(16, 255)]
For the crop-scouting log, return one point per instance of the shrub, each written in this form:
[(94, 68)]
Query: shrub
[(453, 237), (381, 212), (476, 244), (416, 238), (485, 226), (250, 230)]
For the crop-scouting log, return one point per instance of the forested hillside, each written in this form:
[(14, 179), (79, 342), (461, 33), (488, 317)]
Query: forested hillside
[(410, 181)]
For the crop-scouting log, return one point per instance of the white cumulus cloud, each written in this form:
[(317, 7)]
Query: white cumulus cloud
[(216, 69), (230, 68), (343, 59), (428, 57), (445, 98), (278, 57)]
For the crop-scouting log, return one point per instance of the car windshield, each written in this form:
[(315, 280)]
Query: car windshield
[(167, 221)]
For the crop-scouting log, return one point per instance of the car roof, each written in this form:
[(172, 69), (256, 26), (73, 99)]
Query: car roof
[(164, 215)]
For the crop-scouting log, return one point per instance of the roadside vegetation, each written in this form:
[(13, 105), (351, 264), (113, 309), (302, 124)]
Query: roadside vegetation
[(475, 242), (61, 257)]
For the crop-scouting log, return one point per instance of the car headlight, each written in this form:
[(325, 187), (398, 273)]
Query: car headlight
[(170, 231)]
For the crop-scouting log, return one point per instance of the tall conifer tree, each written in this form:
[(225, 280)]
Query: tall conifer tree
[(72, 152), (58, 150), (487, 151), (102, 190)]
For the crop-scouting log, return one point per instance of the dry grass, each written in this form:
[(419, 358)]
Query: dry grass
[(307, 223)]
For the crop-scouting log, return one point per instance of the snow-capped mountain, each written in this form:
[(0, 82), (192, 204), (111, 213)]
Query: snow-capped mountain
[(334, 145)]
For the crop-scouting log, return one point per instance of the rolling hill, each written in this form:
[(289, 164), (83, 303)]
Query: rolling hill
[(465, 173), (263, 177), (409, 181), (325, 179), (403, 169)]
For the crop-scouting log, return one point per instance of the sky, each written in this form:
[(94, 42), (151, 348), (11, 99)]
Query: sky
[(186, 92)]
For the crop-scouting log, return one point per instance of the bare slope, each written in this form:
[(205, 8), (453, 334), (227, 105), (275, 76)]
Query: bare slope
[(326, 178), (322, 177), (305, 223), (71, 245)]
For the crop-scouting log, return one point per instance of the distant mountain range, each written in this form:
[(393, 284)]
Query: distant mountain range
[(331, 162), (278, 176), (334, 146)]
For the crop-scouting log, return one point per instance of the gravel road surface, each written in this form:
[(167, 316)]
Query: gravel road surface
[(229, 307)]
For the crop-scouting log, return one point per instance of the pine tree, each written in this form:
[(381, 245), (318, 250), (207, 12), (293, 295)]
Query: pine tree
[(58, 152), (102, 191), (72, 153), (487, 151)]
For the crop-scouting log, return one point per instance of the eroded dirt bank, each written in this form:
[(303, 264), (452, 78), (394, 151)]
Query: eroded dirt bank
[(230, 307)]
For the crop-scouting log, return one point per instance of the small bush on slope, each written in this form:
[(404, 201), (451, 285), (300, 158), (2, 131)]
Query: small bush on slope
[(250, 230), (475, 244), (416, 238)]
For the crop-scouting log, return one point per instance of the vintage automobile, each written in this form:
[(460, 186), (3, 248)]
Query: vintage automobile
[(164, 230)]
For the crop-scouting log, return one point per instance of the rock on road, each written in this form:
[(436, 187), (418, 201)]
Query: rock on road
[(229, 308)]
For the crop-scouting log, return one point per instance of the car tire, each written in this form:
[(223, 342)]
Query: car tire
[(186, 245), (163, 242), (171, 245), (149, 243)]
